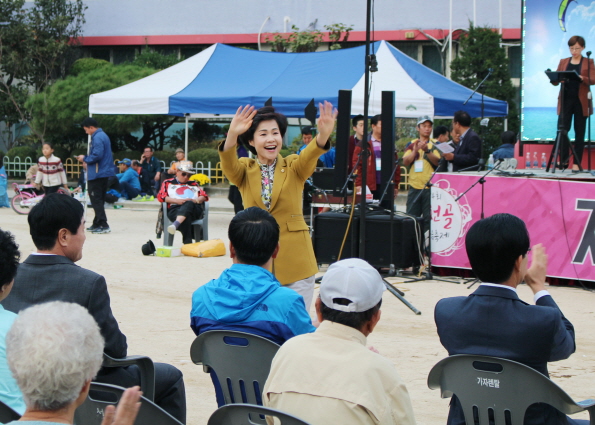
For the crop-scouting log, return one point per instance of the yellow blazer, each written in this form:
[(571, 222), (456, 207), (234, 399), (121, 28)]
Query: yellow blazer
[(295, 260)]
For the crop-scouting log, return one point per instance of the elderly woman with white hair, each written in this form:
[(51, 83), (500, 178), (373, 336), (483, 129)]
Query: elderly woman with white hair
[(53, 351)]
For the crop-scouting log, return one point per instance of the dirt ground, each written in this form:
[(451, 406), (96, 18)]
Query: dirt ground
[(151, 299)]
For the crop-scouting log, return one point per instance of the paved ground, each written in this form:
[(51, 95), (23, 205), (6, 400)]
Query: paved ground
[(151, 299)]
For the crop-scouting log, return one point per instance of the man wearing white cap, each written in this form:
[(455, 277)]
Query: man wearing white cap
[(329, 376), (423, 158)]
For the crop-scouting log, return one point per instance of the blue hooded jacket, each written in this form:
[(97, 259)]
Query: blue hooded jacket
[(249, 299), (100, 162)]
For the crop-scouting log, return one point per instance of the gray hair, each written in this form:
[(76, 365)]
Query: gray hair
[(53, 349)]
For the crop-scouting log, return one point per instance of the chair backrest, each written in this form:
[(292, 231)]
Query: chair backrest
[(247, 414), (493, 387), (101, 395), (7, 414), (241, 361), (146, 367)]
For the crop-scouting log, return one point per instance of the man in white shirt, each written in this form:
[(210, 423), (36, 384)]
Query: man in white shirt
[(494, 321), (329, 376)]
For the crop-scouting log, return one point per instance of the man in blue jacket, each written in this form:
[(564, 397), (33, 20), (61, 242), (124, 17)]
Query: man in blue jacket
[(247, 297), (100, 168), (128, 178)]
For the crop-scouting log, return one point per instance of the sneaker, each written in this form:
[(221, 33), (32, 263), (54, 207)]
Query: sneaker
[(149, 198), (101, 230), (139, 198), (171, 229), (92, 228)]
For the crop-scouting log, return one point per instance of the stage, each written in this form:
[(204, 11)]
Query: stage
[(557, 208)]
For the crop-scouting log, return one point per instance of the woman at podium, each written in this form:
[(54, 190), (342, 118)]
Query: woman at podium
[(576, 97)]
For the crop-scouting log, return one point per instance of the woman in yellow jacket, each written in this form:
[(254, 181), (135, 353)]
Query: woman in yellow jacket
[(275, 184)]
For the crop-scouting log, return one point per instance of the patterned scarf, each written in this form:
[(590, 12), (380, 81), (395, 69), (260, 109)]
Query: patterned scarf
[(267, 173)]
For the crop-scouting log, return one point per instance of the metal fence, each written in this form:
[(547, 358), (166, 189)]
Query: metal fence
[(17, 167)]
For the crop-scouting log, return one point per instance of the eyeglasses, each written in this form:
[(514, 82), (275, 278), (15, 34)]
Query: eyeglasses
[(576, 49)]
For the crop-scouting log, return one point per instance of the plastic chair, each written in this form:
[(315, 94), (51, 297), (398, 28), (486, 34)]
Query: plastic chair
[(241, 361), (199, 225), (101, 395), (490, 386), (7, 414), (147, 371), (246, 414)]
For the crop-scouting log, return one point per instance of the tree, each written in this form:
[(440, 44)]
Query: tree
[(37, 47), (61, 107), (151, 59), (480, 50), (308, 40)]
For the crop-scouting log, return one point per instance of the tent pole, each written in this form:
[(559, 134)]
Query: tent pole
[(186, 139), (450, 42)]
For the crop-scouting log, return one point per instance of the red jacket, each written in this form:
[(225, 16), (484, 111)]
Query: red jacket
[(584, 86), (371, 181)]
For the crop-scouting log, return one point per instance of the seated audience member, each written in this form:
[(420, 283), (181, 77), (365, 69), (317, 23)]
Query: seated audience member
[(181, 157), (328, 159), (247, 297), (329, 376), (494, 321), (54, 350), (185, 199), (145, 181), (468, 151), (9, 261), (128, 179), (57, 227), (506, 150), (441, 134)]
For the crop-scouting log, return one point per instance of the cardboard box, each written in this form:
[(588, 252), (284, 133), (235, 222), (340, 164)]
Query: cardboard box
[(168, 251)]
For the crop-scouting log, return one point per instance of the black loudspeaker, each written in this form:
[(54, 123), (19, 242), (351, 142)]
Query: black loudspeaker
[(406, 249), (342, 142), (329, 230), (387, 160)]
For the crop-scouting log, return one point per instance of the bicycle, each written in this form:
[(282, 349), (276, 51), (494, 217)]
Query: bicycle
[(27, 196)]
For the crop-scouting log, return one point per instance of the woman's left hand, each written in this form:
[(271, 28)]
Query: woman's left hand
[(326, 122)]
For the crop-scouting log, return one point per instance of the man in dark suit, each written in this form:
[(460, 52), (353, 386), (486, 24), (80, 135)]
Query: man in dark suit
[(57, 227), (493, 321), (468, 152)]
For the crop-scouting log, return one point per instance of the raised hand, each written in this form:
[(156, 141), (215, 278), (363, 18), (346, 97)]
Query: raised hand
[(326, 122), (127, 409), (241, 121)]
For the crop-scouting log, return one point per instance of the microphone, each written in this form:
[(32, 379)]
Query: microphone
[(490, 70), (589, 54)]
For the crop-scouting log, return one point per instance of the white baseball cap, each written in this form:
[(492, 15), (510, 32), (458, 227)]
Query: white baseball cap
[(352, 279)]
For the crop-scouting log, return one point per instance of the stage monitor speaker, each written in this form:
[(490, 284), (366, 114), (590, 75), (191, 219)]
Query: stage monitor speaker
[(387, 160), (329, 230), (406, 248), (342, 142)]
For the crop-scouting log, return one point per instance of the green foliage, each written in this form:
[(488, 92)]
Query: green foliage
[(335, 31), (22, 152), (166, 156), (205, 155), (201, 134), (285, 151), (149, 58), (131, 155), (37, 46), (297, 41), (480, 50), (84, 65), (401, 143)]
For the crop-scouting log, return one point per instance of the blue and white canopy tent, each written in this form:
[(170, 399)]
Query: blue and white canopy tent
[(221, 78)]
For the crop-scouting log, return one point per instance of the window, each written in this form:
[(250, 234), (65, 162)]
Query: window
[(432, 58)]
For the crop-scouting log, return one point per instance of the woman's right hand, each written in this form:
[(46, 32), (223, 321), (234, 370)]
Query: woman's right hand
[(241, 121)]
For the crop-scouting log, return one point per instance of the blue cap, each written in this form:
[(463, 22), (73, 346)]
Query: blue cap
[(125, 161)]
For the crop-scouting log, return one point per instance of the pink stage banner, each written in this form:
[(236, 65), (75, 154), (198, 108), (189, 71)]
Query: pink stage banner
[(560, 214)]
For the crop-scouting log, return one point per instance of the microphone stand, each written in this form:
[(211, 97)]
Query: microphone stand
[(481, 160), (428, 271), (590, 111), (480, 181)]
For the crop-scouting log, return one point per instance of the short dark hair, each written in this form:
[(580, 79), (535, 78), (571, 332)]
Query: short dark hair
[(357, 119), (307, 130), (374, 120), (463, 118), (47, 143), (493, 245), (440, 130), (90, 122), (576, 39), (508, 137), (54, 212), (265, 113), (9, 258), (353, 320), (149, 147), (254, 234)]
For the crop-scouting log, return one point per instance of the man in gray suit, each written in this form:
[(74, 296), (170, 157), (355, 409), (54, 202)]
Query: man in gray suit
[(57, 227)]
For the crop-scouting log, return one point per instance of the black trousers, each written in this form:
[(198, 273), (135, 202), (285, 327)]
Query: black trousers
[(170, 392), (573, 108), (420, 207), (235, 197), (97, 189), (192, 212)]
